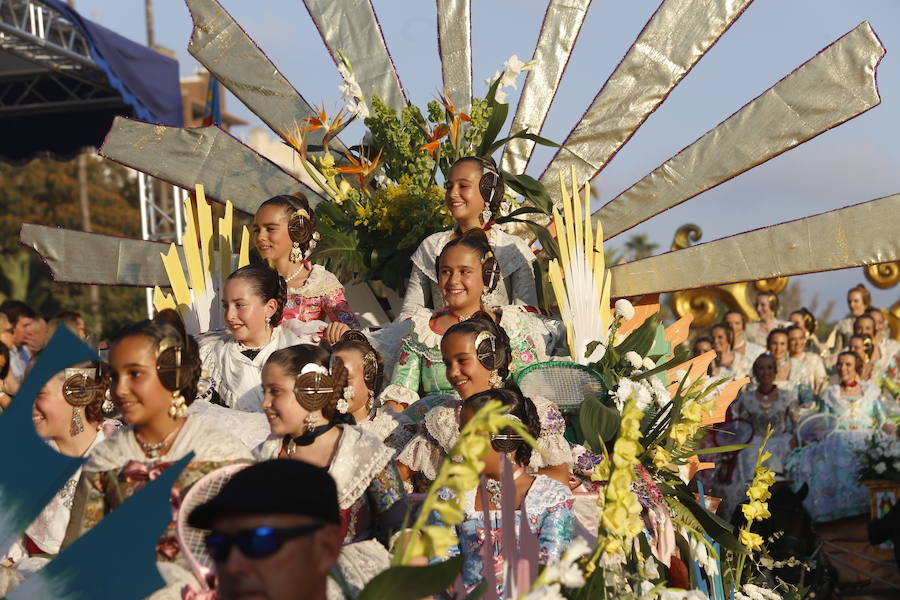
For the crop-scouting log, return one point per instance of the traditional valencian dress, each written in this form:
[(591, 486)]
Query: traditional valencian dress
[(548, 504), (439, 431), (45, 534), (117, 468), (420, 363), (515, 287), (236, 373), (830, 466), (781, 415), (319, 298), (756, 331), (370, 493)]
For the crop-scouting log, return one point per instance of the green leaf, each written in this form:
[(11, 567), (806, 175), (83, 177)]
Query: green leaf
[(721, 449), (598, 422), (340, 252), (714, 526), (333, 212), (523, 134), (498, 119), (525, 210), (530, 188), (641, 339), (547, 242), (681, 355), (412, 583)]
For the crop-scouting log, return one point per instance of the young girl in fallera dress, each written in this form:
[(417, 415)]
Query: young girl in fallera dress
[(474, 191), (155, 369), (546, 502), (68, 414), (284, 232), (829, 466), (302, 396), (467, 271), (477, 357), (253, 300)]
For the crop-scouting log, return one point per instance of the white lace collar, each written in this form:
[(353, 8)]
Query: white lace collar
[(421, 322), (442, 423), (360, 456), (206, 441), (319, 282)]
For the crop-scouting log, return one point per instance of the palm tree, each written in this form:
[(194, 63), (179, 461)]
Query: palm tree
[(640, 246)]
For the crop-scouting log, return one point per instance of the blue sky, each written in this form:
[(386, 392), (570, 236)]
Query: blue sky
[(855, 162)]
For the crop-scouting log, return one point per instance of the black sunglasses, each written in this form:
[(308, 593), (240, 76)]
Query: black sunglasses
[(255, 543)]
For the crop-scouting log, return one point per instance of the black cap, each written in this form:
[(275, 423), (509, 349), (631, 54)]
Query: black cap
[(282, 486)]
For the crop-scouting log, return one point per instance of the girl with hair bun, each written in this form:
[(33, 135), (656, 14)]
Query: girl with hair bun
[(477, 357), (155, 369), (858, 300), (474, 192), (767, 306), (547, 503), (253, 300), (68, 415), (467, 271), (284, 233), (304, 386)]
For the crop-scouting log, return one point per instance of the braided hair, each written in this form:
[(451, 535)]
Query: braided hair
[(177, 356), (301, 220), (475, 240), (491, 186), (518, 406), (292, 360), (493, 348), (267, 284)]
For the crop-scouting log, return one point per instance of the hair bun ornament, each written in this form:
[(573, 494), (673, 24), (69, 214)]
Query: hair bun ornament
[(507, 440), (169, 359), (83, 386), (486, 349), (301, 227), (490, 270), (314, 387)]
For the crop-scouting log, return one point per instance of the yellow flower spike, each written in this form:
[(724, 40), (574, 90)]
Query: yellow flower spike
[(752, 541), (756, 511)]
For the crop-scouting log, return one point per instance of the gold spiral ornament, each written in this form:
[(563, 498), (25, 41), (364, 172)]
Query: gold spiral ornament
[(885, 275), (775, 285), (699, 303), (686, 235)]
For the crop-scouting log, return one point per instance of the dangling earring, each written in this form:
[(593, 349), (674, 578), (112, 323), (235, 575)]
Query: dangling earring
[(268, 321), (495, 380), (77, 424), (296, 253), (486, 215), (371, 401), (310, 421), (107, 406), (178, 407)]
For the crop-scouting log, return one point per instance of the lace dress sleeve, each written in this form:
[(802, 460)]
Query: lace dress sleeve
[(337, 308), (88, 506), (556, 524), (404, 385), (418, 293)]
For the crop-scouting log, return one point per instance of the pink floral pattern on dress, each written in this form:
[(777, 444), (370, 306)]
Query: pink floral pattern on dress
[(331, 306)]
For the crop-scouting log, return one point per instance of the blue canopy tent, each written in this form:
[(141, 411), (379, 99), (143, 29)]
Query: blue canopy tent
[(63, 79)]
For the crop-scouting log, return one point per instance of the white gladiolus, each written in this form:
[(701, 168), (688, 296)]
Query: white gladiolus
[(512, 68), (625, 309)]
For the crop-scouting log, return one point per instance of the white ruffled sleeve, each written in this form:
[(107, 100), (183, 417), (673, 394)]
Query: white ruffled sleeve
[(555, 449), (422, 455)]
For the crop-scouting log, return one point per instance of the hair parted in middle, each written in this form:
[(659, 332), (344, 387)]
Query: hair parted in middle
[(475, 240)]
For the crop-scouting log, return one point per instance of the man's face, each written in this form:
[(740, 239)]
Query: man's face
[(21, 330), (296, 571), (37, 336)]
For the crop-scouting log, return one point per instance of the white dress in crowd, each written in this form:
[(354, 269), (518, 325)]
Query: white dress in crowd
[(117, 468), (48, 530), (814, 367), (741, 366), (781, 414), (750, 350), (236, 377), (515, 287), (758, 333)]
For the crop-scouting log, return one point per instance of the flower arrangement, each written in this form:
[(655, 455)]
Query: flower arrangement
[(386, 195), (880, 458)]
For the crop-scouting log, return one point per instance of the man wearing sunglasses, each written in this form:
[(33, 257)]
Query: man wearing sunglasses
[(275, 531)]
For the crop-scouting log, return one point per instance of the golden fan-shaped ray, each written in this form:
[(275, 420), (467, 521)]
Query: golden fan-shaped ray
[(454, 30), (844, 73), (226, 168), (220, 45), (561, 26), (677, 36), (351, 27), (854, 236)]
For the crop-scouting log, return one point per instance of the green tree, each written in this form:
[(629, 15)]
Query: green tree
[(46, 192), (640, 246)]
